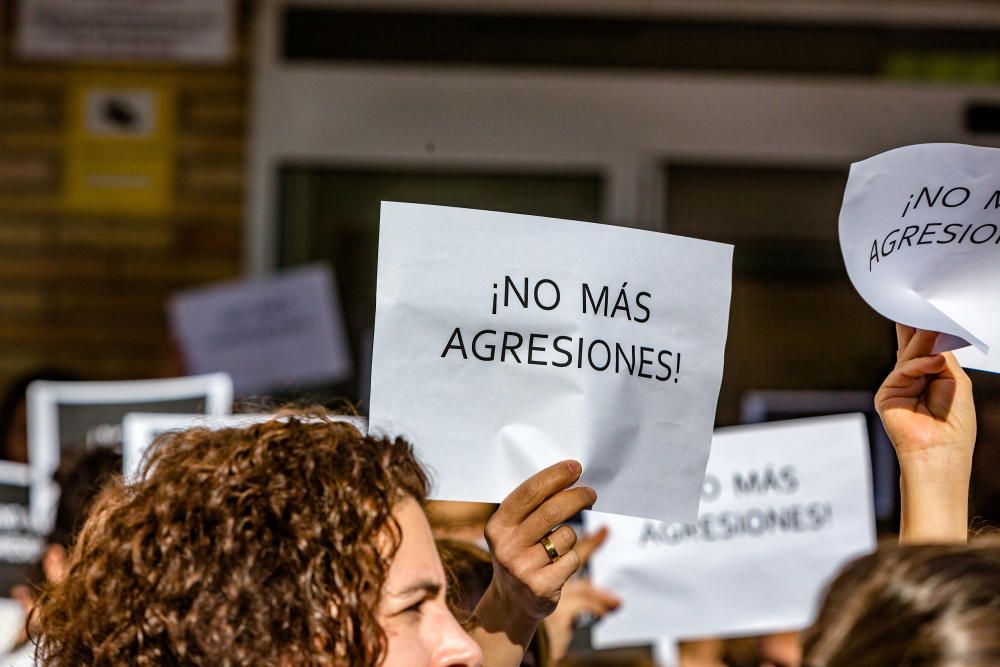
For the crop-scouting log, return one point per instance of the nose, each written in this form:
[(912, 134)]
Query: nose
[(457, 649)]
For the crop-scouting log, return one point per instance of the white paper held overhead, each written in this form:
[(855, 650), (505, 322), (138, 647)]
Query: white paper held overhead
[(784, 505), (505, 343), (920, 233)]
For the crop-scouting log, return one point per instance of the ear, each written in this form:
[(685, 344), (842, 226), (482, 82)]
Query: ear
[(55, 563)]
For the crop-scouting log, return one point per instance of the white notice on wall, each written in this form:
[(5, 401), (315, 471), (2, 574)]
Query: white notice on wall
[(505, 343), (281, 332), (190, 31), (920, 233), (784, 505)]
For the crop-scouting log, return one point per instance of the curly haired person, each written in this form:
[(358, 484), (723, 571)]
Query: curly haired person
[(296, 542)]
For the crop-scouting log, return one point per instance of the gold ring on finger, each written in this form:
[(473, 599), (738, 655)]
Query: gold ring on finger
[(550, 549)]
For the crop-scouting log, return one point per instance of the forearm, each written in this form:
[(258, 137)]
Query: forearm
[(934, 495), (501, 631)]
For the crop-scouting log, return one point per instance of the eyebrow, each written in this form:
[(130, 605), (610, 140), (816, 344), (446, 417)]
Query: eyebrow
[(427, 587)]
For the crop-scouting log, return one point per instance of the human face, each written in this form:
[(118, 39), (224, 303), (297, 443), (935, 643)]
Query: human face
[(419, 628)]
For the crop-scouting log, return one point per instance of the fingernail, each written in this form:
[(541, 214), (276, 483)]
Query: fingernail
[(574, 467)]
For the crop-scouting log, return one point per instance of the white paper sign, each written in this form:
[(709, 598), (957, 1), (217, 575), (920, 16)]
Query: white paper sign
[(505, 343), (970, 357), (197, 31), (20, 545), (140, 429), (784, 506), (62, 415), (666, 652), (920, 233), (275, 333)]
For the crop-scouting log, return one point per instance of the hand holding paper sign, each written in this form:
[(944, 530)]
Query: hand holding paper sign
[(926, 406), (926, 401), (504, 343), (526, 582), (579, 598), (920, 233)]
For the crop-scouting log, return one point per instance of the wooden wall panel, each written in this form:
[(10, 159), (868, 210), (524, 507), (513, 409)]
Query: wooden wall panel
[(86, 291)]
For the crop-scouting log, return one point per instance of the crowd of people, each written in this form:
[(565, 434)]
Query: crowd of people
[(302, 541)]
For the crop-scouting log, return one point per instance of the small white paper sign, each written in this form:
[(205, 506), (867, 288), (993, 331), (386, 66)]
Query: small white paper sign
[(269, 334), (784, 505), (190, 31), (505, 343), (920, 233), (140, 429), (62, 415)]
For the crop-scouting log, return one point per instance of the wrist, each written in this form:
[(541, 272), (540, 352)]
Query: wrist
[(500, 613), (934, 495), (946, 470), (943, 457)]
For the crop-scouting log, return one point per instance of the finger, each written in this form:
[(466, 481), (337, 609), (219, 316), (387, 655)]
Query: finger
[(523, 500), (588, 544), (909, 379), (598, 598), (554, 511), (915, 369), (908, 382), (920, 345), (903, 335), (560, 571), (595, 607), (563, 538), (606, 600), (954, 369)]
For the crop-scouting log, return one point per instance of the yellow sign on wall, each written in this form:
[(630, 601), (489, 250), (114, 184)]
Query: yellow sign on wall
[(120, 151)]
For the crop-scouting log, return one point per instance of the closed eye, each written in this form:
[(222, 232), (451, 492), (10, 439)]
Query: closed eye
[(420, 593), (415, 607)]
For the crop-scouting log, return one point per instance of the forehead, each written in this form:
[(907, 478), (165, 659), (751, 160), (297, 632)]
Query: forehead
[(417, 556)]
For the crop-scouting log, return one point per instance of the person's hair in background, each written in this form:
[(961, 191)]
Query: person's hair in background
[(775, 649), (622, 657), (469, 571), (463, 521), (82, 474), (928, 605), (263, 545), (14, 411)]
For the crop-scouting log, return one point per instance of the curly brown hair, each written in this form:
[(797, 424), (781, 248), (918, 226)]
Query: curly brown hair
[(251, 546)]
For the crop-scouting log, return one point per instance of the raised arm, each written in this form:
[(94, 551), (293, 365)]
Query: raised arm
[(926, 406), (527, 582)]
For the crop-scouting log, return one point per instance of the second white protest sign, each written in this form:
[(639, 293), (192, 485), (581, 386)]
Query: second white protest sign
[(505, 343), (784, 505)]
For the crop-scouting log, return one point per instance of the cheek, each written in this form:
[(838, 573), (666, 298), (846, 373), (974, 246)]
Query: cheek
[(406, 645)]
